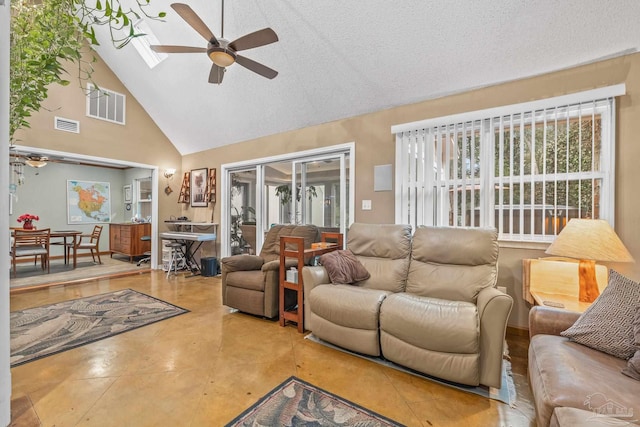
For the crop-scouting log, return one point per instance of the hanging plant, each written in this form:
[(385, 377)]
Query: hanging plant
[(45, 33)]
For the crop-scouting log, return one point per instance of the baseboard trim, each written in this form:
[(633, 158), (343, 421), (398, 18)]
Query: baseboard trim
[(26, 259)]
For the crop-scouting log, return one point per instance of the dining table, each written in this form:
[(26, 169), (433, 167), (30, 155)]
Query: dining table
[(64, 235)]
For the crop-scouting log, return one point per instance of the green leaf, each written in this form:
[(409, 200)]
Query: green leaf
[(162, 14)]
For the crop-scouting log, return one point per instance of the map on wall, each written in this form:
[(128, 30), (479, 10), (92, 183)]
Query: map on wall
[(88, 202)]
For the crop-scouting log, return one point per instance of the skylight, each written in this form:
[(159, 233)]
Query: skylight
[(143, 43)]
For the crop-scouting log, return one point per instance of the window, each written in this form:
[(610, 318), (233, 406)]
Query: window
[(525, 169), (143, 44), (105, 104)]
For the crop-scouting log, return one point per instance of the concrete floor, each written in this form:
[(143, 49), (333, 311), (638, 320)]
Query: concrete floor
[(205, 367)]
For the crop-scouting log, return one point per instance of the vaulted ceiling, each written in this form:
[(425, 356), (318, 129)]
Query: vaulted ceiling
[(339, 59)]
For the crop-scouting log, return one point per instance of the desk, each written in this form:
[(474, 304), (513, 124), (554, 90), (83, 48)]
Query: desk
[(188, 226), (190, 240), (183, 225)]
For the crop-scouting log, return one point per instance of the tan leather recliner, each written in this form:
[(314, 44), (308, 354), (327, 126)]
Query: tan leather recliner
[(250, 282), (451, 320), (347, 315)]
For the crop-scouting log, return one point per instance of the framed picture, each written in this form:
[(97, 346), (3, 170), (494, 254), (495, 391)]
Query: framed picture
[(199, 180), (127, 193), (88, 202)]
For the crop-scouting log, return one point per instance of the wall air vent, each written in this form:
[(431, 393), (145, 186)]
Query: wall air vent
[(67, 125)]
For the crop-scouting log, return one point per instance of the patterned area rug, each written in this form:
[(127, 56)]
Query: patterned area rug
[(43, 331), (297, 403)]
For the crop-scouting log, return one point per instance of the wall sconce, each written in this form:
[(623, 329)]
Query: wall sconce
[(168, 173)]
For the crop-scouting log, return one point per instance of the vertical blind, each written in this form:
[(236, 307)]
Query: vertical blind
[(525, 169)]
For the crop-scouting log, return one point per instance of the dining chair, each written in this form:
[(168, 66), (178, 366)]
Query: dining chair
[(31, 243), (88, 241)]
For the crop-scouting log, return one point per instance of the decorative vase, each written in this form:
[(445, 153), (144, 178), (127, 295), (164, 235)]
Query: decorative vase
[(28, 225)]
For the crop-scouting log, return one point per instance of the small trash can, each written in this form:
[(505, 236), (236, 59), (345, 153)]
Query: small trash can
[(209, 266)]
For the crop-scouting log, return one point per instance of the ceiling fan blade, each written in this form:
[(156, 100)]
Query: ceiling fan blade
[(216, 74), (177, 49), (194, 20), (256, 67), (255, 39)]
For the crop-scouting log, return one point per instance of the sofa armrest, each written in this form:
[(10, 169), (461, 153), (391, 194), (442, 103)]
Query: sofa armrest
[(275, 265), (494, 308), (549, 320), (241, 263), (312, 277), (271, 265)]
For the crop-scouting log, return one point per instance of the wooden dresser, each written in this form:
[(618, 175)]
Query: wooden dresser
[(125, 239)]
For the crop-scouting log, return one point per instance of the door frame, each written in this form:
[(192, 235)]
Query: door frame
[(112, 162), (258, 164)]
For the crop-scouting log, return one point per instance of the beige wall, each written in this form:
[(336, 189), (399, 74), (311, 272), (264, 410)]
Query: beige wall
[(141, 141), (375, 146)]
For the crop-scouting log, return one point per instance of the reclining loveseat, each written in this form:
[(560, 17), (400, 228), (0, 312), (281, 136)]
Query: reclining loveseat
[(430, 303)]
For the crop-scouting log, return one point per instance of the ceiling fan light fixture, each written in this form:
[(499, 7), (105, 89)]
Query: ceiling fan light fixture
[(36, 163), (221, 56)]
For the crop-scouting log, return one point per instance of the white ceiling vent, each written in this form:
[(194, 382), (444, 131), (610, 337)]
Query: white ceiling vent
[(66, 125)]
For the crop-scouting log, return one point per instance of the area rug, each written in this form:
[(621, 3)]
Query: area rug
[(505, 394), (43, 331), (297, 403)]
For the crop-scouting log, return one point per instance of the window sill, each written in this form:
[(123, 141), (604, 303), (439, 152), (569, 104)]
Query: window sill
[(523, 245)]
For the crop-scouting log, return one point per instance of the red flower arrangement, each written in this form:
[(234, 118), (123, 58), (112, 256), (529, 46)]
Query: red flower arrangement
[(28, 218)]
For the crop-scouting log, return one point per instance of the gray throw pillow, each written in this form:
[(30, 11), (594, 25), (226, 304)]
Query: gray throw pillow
[(607, 325), (343, 267), (633, 366)]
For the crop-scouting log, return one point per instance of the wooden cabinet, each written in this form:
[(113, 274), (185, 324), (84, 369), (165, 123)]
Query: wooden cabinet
[(293, 247), (126, 239)]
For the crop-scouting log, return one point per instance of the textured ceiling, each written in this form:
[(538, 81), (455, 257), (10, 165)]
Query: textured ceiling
[(339, 59)]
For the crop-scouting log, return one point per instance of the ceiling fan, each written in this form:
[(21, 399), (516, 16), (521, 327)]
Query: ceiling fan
[(222, 52), (36, 161)]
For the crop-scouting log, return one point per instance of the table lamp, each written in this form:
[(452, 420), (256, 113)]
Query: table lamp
[(589, 240)]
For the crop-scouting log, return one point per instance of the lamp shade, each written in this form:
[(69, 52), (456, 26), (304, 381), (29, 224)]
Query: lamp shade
[(36, 163), (590, 239)]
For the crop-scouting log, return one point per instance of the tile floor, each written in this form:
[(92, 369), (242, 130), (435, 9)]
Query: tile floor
[(205, 367)]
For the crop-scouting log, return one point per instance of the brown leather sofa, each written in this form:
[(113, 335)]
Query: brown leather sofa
[(565, 374), (250, 282), (430, 303)]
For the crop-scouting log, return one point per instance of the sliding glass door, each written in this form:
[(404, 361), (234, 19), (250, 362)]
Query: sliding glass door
[(300, 188), (242, 211)]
